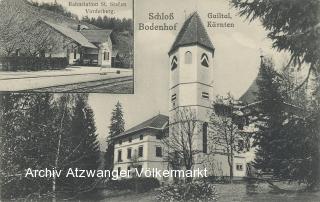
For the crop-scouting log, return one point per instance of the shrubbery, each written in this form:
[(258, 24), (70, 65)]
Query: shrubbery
[(134, 184), (195, 191), (32, 63)]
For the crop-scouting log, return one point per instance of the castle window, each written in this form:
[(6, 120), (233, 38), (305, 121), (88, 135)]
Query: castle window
[(188, 57), (130, 139), (239, 167), (158, 151), (141, 137), (204, 60), (105, 55), (174, 63), (205, 137), (119, 156), (139, 169), (140, 151), (129, 153), (205, 95), (120, 141)]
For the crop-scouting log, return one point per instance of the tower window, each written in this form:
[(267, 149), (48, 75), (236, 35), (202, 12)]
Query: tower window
[(174, 63), (204, 60), (188, 57), (205, 95), (173, 97), (205, 137)]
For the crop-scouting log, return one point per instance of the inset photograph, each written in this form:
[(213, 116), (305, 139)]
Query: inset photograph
[(67, 46)]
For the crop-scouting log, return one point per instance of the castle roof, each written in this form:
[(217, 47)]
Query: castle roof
[(158, 122), (192, 32)]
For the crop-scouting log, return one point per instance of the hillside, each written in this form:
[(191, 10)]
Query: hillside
[(24, 9)]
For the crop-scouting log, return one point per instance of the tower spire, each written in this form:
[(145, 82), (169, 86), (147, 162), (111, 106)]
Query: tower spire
[(192, 32)]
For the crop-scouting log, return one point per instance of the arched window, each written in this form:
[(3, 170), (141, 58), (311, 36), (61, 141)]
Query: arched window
[(204, 60), (188, 57), (174, 63)]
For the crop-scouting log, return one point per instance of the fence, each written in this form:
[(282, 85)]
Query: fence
[(32, 63)]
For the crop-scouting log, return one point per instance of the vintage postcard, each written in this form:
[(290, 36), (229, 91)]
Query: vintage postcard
[(225, 104), (67, 46)]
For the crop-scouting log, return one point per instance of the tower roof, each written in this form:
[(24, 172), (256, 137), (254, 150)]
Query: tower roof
[(192, 32)]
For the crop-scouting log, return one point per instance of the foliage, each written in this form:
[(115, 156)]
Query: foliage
[(23, 33), (139, 184), (292, 25), (32, 63), (288, 133), (195, 191), (37, 132), (84, 153), (181, 144), (225, 125), (116, 127), (116, 24), (54, 7), (273, 116)]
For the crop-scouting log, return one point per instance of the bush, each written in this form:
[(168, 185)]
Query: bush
[(134, 184), (195, 191), (32, 63)]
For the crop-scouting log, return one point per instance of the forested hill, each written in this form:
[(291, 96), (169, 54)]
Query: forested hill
[(116, 24), (54, 7)]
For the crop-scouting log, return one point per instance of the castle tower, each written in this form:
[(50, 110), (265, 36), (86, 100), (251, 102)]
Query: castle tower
[(191, 68)]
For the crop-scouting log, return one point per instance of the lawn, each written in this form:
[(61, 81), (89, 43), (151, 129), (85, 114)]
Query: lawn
[(229, 193)]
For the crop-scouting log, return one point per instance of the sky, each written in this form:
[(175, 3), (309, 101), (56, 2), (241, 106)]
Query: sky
[(236, 60)]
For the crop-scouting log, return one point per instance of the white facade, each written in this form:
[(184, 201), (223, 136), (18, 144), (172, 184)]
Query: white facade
[(148, 141), (105, 54)]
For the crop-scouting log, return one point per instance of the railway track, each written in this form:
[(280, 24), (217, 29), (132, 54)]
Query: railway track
[(88, 86)]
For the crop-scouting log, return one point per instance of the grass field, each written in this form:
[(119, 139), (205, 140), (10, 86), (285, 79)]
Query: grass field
[(227, 193)]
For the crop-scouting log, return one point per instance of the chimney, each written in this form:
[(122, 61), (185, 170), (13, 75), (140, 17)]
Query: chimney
[(79, 27)]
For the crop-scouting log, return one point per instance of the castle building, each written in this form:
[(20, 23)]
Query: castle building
[(191, 92)]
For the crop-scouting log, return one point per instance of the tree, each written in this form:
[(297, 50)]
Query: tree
[(41, 131), (116, 127), (294, 26), (287, 142), (271, 115), (26, 139), (225, 132), (84, 150), (181, 142)]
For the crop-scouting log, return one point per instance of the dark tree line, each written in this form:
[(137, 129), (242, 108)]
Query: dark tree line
[(54, 7), (41, 131), (116, 24)]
